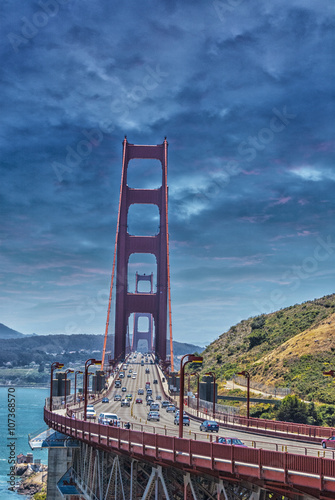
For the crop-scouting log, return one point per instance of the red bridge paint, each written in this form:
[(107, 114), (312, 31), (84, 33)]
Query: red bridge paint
[(311, 474), (147, 303)]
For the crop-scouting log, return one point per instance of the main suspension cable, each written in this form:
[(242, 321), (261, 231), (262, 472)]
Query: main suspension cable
[(114, 259)]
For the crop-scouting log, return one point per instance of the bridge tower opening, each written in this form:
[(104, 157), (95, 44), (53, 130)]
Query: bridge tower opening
[(153, 305), (143, 334)]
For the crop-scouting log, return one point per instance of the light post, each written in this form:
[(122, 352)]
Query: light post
[(88, 363), (198, 395), (247, 376), (191, 358), (54, 366), (211, 374), (65, 384), (75, 385)]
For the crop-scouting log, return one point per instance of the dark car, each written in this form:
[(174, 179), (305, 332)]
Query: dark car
[(138, 401), (155, 381), (186, 420), (233, 441), (105, 400), (117, 397), (124, 389), (209, 426), (328, 443)]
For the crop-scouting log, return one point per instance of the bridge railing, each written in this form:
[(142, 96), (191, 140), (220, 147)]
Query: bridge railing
[(215, 458)]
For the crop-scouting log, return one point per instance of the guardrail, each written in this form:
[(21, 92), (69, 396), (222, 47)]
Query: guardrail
[(304, 472)]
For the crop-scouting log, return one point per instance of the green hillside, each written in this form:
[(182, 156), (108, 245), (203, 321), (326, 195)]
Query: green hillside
[(290, 347)]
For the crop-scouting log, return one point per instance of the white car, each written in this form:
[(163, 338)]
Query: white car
[(109, 419), (90, 413)]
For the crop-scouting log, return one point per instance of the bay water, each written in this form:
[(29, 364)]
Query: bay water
[(21, 413)]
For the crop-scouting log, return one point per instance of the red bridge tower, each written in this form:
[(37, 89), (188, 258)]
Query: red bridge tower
[(144, 304)]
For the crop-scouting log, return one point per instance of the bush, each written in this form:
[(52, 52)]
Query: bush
[(292, 409)]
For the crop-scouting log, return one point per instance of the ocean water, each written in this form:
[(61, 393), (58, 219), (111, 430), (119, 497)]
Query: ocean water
[(28, 411)]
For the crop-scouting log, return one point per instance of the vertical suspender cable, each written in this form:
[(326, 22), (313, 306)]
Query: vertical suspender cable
[(114, 259), (168, 255)]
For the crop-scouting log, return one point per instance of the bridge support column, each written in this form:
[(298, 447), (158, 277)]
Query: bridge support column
[(59, 461), (189, 491), (221, 489), (155, 480)]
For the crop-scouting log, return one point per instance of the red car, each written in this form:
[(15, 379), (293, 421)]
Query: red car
[(138, 401), (328, 443), (234, 441)]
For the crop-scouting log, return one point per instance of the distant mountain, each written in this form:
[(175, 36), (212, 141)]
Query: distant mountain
[(63, 348), (9, 333), (179, 348)]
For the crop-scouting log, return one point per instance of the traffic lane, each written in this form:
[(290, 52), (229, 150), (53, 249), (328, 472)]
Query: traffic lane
[(137, 415)]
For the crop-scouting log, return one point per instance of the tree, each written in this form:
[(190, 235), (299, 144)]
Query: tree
[(292, 409)]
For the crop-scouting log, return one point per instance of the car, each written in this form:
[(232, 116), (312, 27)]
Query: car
[(232, 441), (129, 375), (124, 389), (154, 406), (328, 443), (90, 406), (134, 376), (121, 375), (149, 392), (125, 402), (149, 401), (165, 403), (129, 396), (155, 381), (130, 370), (170, 409), (153, 415), (186, 420), (158, 397), (117, 397), (177, 413), (134, 373), (90, 413), (147, 370), (138, 400), (105, 400), (109, 419), (117, 384), (209, 426), (140, 392)]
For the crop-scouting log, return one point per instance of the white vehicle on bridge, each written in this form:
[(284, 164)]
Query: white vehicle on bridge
[(109, 419)]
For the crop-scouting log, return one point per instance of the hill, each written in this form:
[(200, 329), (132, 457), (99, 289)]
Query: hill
[(8, 333), (290, 347), (64, 348)]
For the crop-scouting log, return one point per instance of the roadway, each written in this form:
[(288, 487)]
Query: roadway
[(136, 414)]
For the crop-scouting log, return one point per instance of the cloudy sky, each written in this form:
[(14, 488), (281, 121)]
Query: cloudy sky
[(244, 92)]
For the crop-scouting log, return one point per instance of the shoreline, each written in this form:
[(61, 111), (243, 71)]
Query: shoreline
[(28, 386)]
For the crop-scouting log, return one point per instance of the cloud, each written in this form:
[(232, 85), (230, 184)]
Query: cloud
[(311, 173), (207, 78)]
